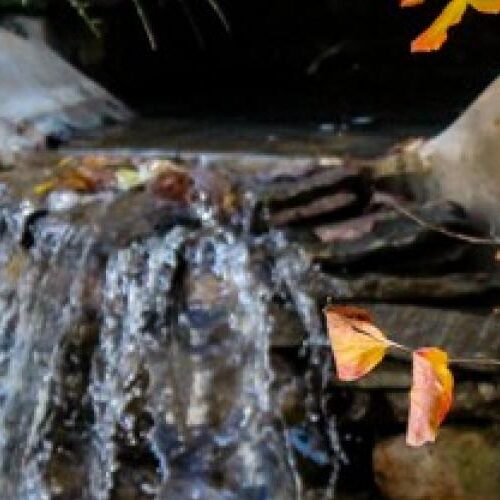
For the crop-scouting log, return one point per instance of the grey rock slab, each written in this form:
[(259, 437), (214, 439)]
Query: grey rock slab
[(464, 334), (41, 95), (392, 288)]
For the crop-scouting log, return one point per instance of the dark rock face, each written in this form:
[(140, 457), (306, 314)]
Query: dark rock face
[(168, 343)]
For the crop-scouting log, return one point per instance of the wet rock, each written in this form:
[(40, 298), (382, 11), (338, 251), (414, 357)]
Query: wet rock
[(154, 344), (391, 288), (469, 334), (352, 229), (287, 188), (28, 27), (463, 157), (462, 465), (418, 248), (149, 349), (309, 196), (45, 100), (390, 376), (473, 400), (387, 389), (326, 205)]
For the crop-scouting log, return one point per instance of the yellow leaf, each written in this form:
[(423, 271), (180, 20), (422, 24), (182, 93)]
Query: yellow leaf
[(128, 178), (431, 395), (434, 37), (44, 187), (486, 6), (357, 344), (437, 33), (70, 178)]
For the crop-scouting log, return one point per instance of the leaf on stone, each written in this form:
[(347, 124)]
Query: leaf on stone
[(431, 395), (358, 345), (72, 179), (91, 173), (128, 178), (173, 184)]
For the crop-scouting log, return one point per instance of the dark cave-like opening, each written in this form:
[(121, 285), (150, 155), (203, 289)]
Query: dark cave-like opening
[(282, 60)]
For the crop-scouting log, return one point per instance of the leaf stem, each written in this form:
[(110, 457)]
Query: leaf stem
[(390, 342), (400, 347), (451, 361)]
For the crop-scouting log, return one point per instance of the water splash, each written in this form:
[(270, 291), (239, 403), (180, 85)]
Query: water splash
[(142, 368)]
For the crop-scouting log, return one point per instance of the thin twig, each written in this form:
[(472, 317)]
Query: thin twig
[(391, 343), (475, 240), (318, 60), (81, 7), (400, 347), (220, 14), (146, 24), (192, 23), (408, 350), (451, 361)]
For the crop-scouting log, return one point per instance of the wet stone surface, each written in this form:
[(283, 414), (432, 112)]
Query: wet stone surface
[(165, 339), (462, 465)]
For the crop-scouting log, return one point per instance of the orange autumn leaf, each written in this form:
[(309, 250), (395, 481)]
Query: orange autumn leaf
[(71, 178), (431, 395), (411, 3), (357, 344), (437, 33), (486, 6)]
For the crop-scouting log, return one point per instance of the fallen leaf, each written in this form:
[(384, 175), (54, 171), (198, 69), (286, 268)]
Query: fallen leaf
[(45, 187), (70, 178), (88, 174), (357, 344), (100, 161), (128, 178), (173, 184), (431, 395)]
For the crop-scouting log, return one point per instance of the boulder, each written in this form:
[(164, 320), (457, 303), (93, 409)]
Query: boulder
[(45, 100), (462, 465), (464, 158)]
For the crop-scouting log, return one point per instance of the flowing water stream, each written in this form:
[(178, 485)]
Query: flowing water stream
[(142, 369), (153, 348)]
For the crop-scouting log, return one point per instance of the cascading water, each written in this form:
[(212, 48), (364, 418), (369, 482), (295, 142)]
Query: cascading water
[(44, 301), (138, 365), (163, 339)]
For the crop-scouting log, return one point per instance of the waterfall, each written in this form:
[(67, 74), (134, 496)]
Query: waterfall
[(138, 364)]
